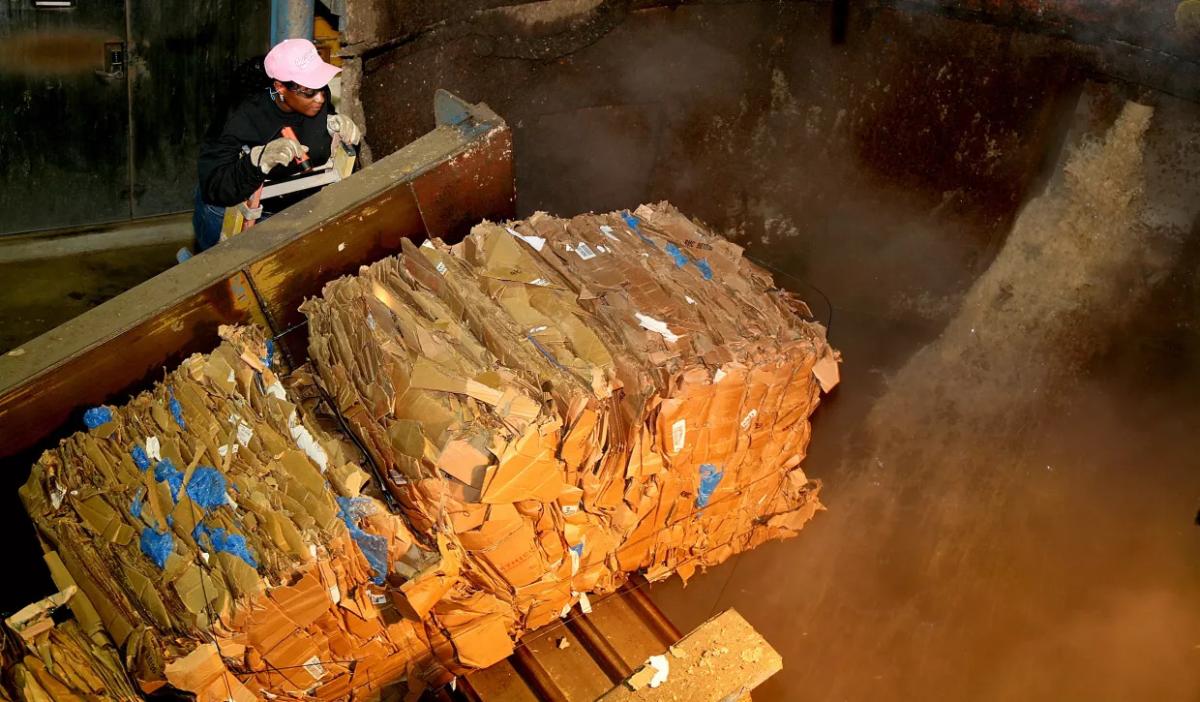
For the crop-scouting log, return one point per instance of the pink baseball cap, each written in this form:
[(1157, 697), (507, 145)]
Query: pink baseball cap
[(297, 60)]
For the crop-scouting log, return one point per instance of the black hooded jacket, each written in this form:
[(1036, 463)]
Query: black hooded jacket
[(227, 176)]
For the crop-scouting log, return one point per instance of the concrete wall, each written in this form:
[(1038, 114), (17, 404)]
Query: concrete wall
[(833, 161)]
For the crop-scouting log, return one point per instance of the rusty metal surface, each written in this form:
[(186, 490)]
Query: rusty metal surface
[(335, 248), (448, 208), (30, 410), (602, 649), (122, 345)]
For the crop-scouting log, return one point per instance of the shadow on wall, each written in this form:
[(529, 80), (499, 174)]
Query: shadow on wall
[(885, 170)]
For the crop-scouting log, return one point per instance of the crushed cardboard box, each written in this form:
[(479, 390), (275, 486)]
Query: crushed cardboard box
[(564, 402), (545, 408), (48, 662), (228, 543)]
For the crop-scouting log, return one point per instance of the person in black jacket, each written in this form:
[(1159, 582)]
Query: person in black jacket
[(251, 147)]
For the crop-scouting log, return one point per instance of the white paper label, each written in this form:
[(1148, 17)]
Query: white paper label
[(536, 242), (540, 282), (718, 376), (314, 668), (276, 389), (601, 249), (335, 595), (678, 435), (585, 252), (153, 450), (568, 510), (305, 441), (378, 598), (565, 611), (224, 450), (370, 321), (244, 434), (657, 326), (608, 232), (584, 603), (441, 267), (690, 301), (749, 419), (539, 328)]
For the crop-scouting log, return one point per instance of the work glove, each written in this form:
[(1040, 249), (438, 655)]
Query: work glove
[(340, 125), (279, 152)]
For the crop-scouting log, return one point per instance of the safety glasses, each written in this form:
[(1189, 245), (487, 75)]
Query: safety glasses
[(304, 92)]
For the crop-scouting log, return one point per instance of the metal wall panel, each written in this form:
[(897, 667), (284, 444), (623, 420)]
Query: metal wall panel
[(64, 128)]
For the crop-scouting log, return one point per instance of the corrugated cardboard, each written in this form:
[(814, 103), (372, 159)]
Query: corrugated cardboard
[(45, 662), (265, 585), (546, 407), (566, 401)]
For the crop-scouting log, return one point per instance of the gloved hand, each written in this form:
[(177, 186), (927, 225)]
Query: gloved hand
[(279, 152), (341, 125)]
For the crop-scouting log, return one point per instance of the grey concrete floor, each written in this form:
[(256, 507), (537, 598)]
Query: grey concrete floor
[(1012, 501)]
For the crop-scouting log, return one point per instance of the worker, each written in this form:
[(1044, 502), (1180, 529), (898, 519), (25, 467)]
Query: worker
[(251, 148)]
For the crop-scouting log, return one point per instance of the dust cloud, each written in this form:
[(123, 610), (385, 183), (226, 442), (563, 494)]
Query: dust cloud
[(1038, 531), (1071, 256)]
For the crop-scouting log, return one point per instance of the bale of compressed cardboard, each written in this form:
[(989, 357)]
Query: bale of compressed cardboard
[(559, 403), (551, 405), (227, 543), (48, 662)]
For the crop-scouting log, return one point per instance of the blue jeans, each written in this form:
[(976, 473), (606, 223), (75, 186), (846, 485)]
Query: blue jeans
[(206, 223)]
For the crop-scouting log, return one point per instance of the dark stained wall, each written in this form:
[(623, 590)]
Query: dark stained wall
[(186, 54), (829, 160), (63, 123), (83, 144)]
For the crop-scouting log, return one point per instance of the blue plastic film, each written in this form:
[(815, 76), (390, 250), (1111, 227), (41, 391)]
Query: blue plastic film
[(140, 459), (222, 541), (207, 488), (97, 416), (373, 546), (176, 411), (166, 470), (157, 545), (680, 257), (270, 352), (705, 269), (710, 477)]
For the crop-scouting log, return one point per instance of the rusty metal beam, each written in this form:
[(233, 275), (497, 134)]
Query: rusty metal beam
[(599, 648), (453, 176)]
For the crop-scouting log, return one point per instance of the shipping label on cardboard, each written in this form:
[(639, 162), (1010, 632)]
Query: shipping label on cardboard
[(749, 419), (585, 252), (314, 668), (678, 435)]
